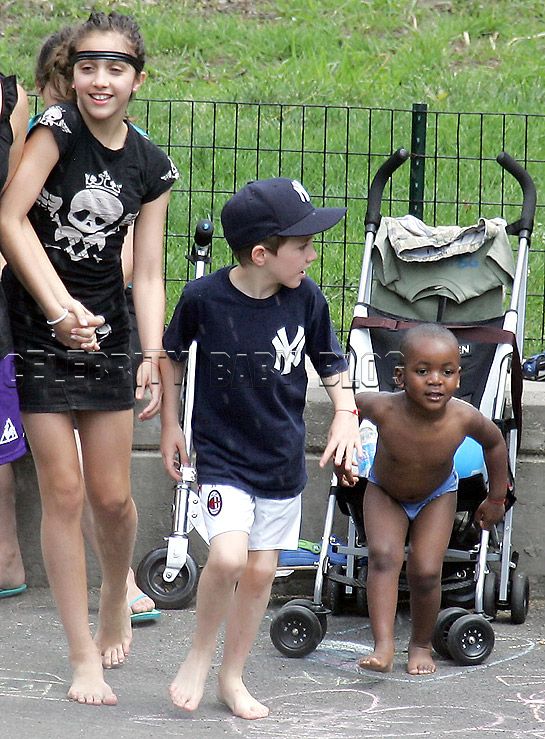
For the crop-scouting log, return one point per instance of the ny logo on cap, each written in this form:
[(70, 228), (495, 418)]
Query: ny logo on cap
[(300, 190)]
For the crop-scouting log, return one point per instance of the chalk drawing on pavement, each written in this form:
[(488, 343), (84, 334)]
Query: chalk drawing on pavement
[(349, 713), (37, 685)]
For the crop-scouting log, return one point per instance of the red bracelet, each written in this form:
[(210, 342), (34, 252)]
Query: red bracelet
[(497, 502), (355, 412)]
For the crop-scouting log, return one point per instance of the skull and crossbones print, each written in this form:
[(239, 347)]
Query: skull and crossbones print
[(95, 213)]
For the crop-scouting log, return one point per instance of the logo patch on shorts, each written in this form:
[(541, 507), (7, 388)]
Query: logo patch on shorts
[(214, 502)]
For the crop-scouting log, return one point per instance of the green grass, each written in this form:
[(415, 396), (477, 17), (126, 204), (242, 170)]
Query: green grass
[(369, 61), (460, 55)]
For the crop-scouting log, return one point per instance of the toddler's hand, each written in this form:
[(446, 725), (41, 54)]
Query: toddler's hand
[(347, 480), (489, 513)]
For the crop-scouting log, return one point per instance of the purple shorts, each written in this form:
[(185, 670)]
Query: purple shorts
[(12, 439), (413, 509)]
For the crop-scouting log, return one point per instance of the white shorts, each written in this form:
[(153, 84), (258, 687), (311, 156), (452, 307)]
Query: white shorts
[(269, 523)]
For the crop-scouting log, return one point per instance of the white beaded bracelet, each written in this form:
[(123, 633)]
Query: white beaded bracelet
[(59, 319)]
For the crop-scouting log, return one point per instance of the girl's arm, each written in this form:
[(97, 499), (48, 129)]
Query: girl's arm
[(18, 121), (127, 256), (149, 297), (21, 246)]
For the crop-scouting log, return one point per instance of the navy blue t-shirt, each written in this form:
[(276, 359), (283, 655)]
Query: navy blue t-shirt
[(251, 381)]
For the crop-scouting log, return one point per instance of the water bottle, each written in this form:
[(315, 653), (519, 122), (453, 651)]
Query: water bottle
[(368, 436)]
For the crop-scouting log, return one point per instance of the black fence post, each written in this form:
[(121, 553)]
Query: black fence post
[(418, 161)]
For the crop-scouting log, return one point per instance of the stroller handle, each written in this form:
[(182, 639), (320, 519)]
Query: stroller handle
[(384, 172), (529, 196), (203, 232)]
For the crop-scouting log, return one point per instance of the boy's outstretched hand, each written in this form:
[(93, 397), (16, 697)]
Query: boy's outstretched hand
[(489, 513), (343, 439)]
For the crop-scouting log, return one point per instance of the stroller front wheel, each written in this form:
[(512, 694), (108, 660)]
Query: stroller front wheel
[(176, 594), (445, 620), (470, 640), (296, 631), (319, 611)]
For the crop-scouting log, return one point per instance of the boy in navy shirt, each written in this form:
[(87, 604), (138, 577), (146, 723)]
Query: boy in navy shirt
[(254, 324)]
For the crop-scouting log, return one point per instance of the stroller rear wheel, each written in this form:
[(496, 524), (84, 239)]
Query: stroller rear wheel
[(176, 594), (520, 597), (361, 592), (334, 590), (490, 593), (470, 640), (444, 622), (296, 631)]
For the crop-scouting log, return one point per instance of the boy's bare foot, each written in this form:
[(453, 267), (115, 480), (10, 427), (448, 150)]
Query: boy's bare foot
[(381, 660), (88, 685), (420, 661), (137, 600), (187, 688), (236, 697), (114, 633)]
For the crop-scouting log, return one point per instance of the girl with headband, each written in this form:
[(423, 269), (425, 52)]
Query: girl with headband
[(85, 177)]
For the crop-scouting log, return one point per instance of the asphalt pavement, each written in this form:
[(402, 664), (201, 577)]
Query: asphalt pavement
[(321, 695)]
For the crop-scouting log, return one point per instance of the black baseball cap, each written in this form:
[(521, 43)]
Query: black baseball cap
[(274, 207)]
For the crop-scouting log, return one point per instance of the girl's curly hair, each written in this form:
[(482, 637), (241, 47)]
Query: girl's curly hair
[(125, 25)]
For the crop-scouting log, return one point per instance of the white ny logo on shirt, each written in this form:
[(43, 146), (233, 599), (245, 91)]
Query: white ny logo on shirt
[(289, 354)]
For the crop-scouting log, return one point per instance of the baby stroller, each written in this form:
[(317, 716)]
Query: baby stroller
[(169, 574), (480, 569)]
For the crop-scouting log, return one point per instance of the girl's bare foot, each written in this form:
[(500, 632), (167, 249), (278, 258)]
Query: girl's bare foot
[(236, 697), (381, 660), (88, 685), (187, 688), (420, 661), (114, 633)]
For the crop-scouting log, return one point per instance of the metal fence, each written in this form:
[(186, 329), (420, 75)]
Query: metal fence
[(335, 150)]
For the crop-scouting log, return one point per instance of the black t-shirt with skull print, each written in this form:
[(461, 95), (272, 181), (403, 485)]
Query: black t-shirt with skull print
[(87, 203)]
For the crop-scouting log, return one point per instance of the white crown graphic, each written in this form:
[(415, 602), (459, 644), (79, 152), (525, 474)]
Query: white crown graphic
[(103, 181)]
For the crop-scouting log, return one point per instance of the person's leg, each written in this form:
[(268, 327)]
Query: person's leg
[(51, 439), (106, 443), (12, 571), (276, 525), (386, 527), (137, 601), (227, 559), (246, 613), (429, 538)]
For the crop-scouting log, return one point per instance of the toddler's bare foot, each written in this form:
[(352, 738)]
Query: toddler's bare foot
[(88, 685), (381, 660), (420, 661), (236, 697), (187, 688), (114, 634)]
